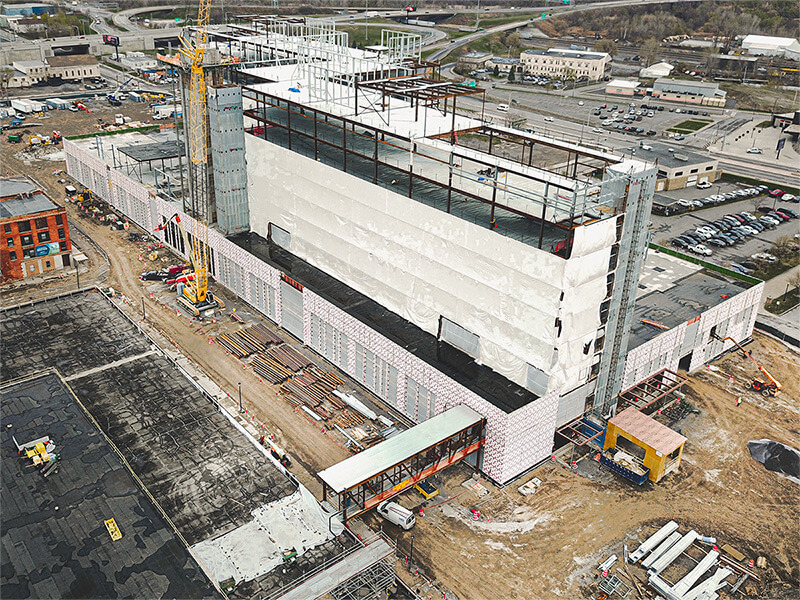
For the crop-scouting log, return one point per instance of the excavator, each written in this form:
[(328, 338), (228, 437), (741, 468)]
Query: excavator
[(193, 287), (767, 387)]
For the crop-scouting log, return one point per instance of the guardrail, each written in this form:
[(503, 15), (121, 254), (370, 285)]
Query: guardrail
[(707, 265)]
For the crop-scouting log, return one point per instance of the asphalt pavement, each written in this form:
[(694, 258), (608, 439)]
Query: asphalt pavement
[(666, 228)]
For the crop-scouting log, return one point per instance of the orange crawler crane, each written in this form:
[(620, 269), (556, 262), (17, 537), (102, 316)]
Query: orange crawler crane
[(769, 386)]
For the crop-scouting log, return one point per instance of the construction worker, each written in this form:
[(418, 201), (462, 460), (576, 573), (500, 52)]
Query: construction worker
[(738, 401)]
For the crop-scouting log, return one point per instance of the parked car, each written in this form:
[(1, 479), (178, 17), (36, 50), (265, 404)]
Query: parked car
[(787, 211), (740, 268), (779, 216), (686, 203), (790, 198), (700, 249), (766, 256), (703, 185), (754, 151), (678, 242), (768, 222), (777, 193), (749, 265)]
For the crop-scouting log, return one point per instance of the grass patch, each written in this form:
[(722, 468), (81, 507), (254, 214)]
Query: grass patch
[(764, 124), (769, 270), (690, 126), (783, 303), (764, 98), (357, 37)]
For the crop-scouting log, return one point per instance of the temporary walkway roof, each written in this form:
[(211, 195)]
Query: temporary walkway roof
[(648, 431), (398, 449)]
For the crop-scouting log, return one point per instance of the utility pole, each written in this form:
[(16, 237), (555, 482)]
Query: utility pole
[(241, 410)]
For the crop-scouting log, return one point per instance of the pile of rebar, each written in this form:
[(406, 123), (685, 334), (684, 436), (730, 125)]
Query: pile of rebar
[(312, 388), (248, 341), (288, 357), (270, 369)]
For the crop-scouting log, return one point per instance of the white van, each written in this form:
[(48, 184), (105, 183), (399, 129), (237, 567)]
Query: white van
[(503, 107), (394, 513)]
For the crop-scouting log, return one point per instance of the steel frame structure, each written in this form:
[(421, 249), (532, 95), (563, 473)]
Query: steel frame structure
[(369, 584), (650, 391), (392, 481), (456, 173)]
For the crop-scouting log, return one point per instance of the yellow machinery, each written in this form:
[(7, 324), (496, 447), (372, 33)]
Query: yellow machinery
[(193, 287), (769, 386)]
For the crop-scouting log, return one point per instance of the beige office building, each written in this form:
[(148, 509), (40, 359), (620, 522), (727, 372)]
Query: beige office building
[(557, 63)]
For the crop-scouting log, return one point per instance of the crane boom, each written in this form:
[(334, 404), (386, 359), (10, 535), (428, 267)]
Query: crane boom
[(774, 384)]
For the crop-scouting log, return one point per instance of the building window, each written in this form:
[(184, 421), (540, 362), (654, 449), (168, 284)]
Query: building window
[(61, 234), (41, 223), (7, 228), (678, 173), (693, 171), (10, 242), (59, 219), (26, 240), (44, 236), (12, 255), (47, 264), (24, 226), (709, 167), (62, 246)]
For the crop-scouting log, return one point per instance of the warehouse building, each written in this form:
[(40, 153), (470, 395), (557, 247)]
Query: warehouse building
[(567, 64), (689, 92), (73, 67), (765, 45), (420, 261), (35, 234)]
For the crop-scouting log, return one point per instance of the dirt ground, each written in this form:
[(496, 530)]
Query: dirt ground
[(522, 547)]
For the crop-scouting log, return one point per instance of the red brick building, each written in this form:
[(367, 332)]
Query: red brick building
[(34, 235)]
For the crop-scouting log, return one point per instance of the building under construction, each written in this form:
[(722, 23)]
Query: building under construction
[(438, 258)]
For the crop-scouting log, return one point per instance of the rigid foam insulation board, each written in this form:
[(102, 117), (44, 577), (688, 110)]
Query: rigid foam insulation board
[(708, 587), (691, 578), (659, 552), (653, 541), (666, 559)]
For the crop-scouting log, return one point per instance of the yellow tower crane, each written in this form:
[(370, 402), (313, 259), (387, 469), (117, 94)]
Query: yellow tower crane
[(194, 293)]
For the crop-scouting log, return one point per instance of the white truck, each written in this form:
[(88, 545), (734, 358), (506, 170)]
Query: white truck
[(166, 111), (119, 119)]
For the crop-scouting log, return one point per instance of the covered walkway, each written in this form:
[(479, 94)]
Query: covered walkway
[(366, 479)]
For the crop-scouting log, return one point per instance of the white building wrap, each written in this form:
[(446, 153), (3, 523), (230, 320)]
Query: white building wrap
[(515, 441)]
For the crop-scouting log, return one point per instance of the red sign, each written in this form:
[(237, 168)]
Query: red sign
[(291, 282)]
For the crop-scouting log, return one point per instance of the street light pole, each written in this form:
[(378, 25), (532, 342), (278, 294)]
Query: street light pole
[(240, 398)]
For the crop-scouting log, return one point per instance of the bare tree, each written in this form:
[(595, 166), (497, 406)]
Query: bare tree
[(6, 73), (607, 45), (650, 50), (794, 280), (783, 247)]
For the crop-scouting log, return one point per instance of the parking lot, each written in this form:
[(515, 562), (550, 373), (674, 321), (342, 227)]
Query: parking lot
[(666, 228)]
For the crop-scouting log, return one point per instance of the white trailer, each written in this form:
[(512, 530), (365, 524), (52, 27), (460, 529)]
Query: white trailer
[(22, 106)]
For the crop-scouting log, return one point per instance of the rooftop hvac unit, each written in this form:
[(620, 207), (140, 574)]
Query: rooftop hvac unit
[(681, 157)]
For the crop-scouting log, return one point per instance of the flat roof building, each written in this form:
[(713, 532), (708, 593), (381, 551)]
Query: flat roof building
[(677, 167), (35, 233), (72, 67), (428, 266), (567, 64), (624, 87), (689, 92), (765, 45)]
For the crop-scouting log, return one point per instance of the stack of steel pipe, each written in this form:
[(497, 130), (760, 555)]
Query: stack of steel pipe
[(270, 369), (288, 357)]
